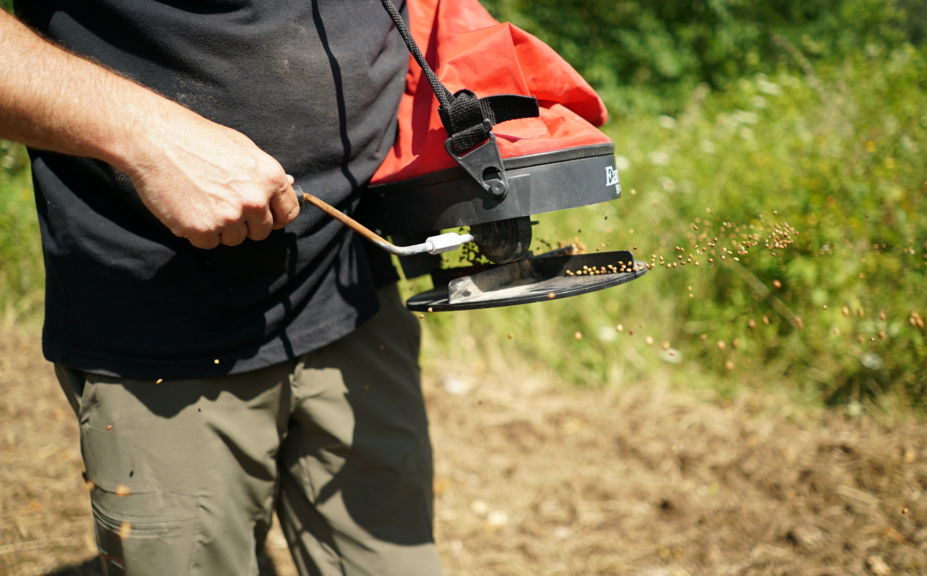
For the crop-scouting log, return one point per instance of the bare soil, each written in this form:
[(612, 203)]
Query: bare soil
[(534, 478)]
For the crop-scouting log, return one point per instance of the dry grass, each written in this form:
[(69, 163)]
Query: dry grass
[(532, 478)]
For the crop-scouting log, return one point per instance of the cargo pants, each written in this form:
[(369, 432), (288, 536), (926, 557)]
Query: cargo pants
[(186, 475)]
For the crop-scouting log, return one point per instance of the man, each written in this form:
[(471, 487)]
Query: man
[(226, 353)]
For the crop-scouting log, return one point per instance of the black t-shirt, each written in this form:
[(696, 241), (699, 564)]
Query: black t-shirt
[(315, 83)]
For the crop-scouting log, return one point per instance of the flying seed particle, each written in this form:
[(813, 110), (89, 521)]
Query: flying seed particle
[(619, 328), (509, 335), (215, 361), (729, 365), (123, 490), (777, 284), (915, 319), (159, 380), (124, 530), (551, 295), (648, 340), (578, 335), (845, 310), (108, 427)]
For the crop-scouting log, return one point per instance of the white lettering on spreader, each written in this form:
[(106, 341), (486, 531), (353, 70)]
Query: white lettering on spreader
[(611, 176)]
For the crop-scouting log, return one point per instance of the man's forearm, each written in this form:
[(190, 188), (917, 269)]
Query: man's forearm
[(54, 100), (205, 182)]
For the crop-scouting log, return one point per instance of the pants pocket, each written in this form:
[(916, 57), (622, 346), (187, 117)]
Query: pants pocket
[(145, 534)]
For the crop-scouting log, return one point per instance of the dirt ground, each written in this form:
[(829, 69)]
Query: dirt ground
[(536, 479)]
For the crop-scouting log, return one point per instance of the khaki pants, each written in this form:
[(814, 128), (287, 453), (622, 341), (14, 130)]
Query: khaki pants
[(186, 474)]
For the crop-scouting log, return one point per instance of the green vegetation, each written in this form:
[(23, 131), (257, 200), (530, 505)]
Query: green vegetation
[(652, 54), (774, 167), (783, 213), (21, 272)]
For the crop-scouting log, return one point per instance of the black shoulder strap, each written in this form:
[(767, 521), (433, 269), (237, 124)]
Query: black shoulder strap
[(468, 119)]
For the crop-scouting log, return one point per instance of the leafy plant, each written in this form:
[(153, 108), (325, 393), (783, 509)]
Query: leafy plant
[(652, 54), (786, 225)]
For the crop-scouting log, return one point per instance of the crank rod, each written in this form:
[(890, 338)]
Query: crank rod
[(432, 245)]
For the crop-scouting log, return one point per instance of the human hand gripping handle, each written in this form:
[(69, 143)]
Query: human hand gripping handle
[(211, 184)]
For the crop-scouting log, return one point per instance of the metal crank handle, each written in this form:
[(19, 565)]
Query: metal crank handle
[(432, 245)]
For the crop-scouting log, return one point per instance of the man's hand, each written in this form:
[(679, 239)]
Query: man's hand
[(210, 184), (205, 182)]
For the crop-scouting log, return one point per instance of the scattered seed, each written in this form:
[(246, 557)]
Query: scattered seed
[(916, 320), (123, 490), (124, 530)]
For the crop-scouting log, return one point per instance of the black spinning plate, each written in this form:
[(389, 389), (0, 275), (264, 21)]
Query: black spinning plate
[(533, 279)]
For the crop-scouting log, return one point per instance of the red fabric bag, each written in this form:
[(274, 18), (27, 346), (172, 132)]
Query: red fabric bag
[(469, 49)]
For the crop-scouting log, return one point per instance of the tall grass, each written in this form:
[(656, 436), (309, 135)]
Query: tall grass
[(787, 228)]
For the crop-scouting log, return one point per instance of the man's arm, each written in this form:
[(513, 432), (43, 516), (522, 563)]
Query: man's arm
[(205, 182)]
